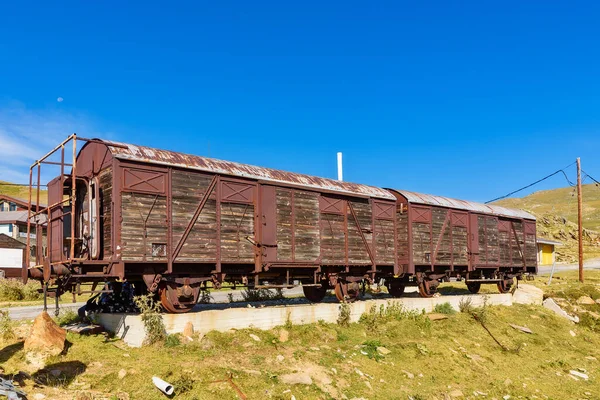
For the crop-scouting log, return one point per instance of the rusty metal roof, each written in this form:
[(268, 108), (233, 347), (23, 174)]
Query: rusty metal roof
[(420, 198), (131, 152)]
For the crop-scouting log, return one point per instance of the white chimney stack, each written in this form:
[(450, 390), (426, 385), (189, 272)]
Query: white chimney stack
[(340, 175)]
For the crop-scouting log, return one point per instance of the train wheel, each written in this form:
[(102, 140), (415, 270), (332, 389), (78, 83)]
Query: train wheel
[(474, 287), (428, 288), (315, 294), (347, 292), (166, 294), (505, 285), (396, 289)]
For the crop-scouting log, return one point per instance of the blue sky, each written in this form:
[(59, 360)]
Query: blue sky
[(463, 99)]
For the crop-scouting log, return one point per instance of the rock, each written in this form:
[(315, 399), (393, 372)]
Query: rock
[(383, 350), (38, 396), (84, 329), (280, 358), (591, 358), (507, 382), (436, 316), (506, 397), (587, 300), (528, 294), (284, 335), (315, 349), (298, 378), (521, 328), (597, 301), (188, 329), (408, 374), (456, 393), (368, 384), (572, 333), (55, 373), (579, 374), (122, 374), (551, 305), (254, 337), (45, 336)]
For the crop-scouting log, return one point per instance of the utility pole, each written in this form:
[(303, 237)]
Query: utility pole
[(579, 218)]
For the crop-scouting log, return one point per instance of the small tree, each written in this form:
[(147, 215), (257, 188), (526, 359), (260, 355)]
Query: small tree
[(151, 318)]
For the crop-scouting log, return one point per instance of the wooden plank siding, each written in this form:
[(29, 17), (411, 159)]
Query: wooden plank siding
[(105, 181), (187, 190), (139, 239)]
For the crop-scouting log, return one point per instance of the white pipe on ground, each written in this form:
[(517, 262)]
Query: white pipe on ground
[(339, 159), (164, 387)]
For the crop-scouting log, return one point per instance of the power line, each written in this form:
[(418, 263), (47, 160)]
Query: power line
[(589, 176), (536, 182)]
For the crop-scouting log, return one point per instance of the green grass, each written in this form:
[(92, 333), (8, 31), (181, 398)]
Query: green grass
[(427, 359)]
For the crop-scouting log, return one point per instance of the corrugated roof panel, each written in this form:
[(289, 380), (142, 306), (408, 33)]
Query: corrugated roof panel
[(420, 198), (155, 156)]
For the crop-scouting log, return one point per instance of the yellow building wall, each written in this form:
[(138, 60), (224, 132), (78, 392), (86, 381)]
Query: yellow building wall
[(547, 251)]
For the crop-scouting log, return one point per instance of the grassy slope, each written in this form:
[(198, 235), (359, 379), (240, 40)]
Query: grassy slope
[(427, 360), (561, 202), (22, 192), (556, 211)]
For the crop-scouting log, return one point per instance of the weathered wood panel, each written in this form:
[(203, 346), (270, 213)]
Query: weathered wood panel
[(493, 245), (357, 250), (333, 238), (517, 258), (284, 224), (402, 244), (459, 245), (384, 241), (105, 186), (421, 246), (441, 232), (307, 244), (237, 223), (188, 188), (144, 241)]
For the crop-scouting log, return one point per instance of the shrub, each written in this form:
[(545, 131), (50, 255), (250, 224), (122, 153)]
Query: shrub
[(15, 290), (344, 316), (6, 328), (370, 347), (445, 308), (466, 305), (261, 294), (205, 297), (151, 318), (392, 312), (67, 317), (172, 341)]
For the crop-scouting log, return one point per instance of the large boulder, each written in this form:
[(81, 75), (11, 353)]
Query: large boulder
[(528, 294), (46, 336)]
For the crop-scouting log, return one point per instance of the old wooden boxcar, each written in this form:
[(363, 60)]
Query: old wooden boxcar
[(173, 222)]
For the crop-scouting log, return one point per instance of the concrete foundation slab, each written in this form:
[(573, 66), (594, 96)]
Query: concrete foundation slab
[(223, 317)]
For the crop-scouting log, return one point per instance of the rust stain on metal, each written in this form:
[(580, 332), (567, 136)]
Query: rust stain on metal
[(440, 201), (170, 158)]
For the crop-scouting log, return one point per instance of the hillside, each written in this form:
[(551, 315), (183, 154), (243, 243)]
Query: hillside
[(21, 192), (556, 211)]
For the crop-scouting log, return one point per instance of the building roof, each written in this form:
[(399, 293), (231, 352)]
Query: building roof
[(144, 154), (428, 199), (548, 241), (6, 242), (21, 216), (17, 200)]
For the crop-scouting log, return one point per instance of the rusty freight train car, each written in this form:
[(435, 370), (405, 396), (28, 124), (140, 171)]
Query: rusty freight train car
[(172, 223)]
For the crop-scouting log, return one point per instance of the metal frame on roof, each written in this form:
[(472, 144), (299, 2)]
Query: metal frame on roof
[(131, 152), (440, 201)]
